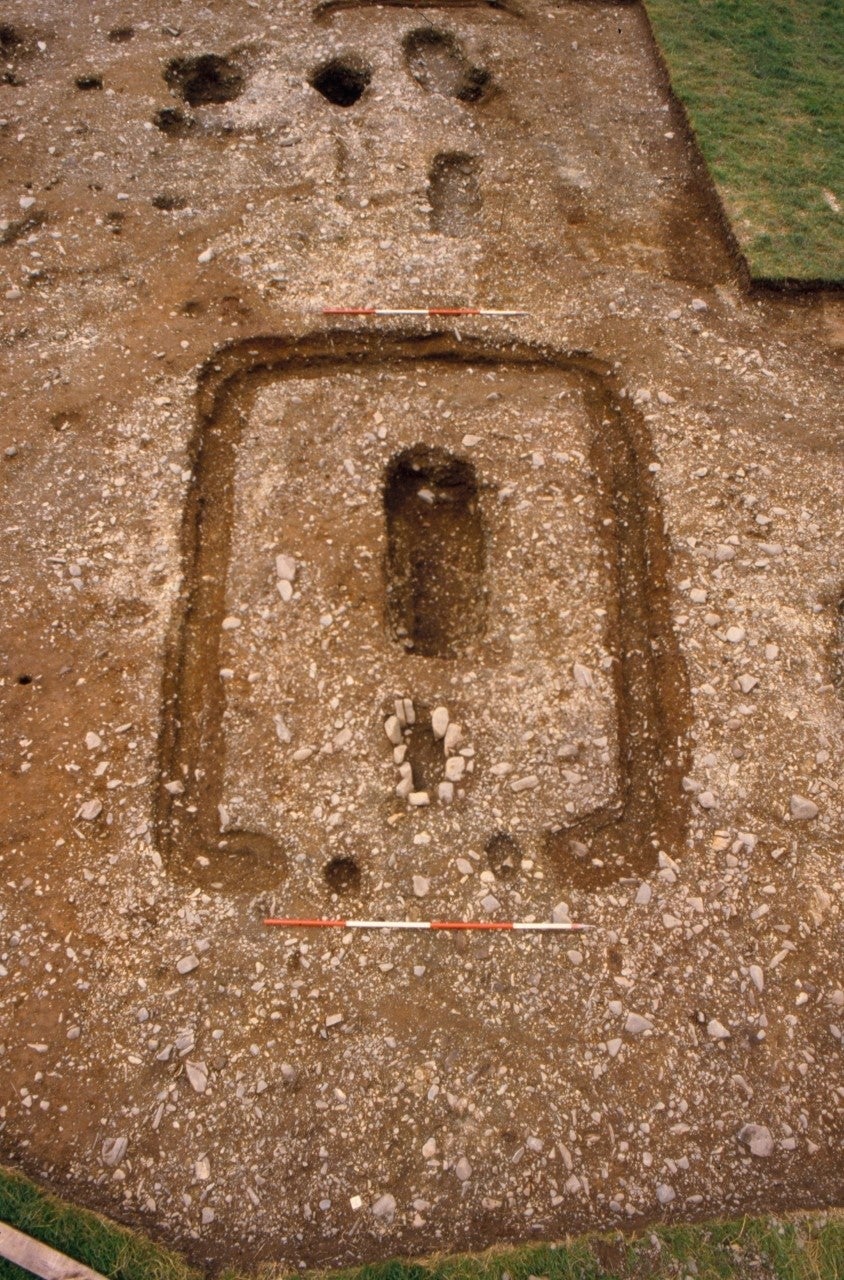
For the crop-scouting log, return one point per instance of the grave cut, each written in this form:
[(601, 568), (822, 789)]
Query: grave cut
[(435, 553)]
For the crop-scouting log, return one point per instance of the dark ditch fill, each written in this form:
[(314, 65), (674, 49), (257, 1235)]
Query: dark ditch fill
[(436, 602)]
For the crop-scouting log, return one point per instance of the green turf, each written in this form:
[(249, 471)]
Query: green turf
[(805, 1248), (87, 1238), (762, 83)]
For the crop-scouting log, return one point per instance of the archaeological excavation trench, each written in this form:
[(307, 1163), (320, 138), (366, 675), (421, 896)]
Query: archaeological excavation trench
[(428, 606)]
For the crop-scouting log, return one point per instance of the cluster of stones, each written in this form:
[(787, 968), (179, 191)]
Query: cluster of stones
[(459, 761)]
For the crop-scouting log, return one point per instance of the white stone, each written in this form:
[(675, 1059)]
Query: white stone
[(90, 810), (665, 1194), (463, 1169), (419, 799), (231, 623), (613, 1046), (392, 728), (757, 977), (113, 1150), (384, 1208), (635, 1024), (758, 1138), (453, 738), (582, 676), (716, 1030), (197, 1074), (429, 1149), (445, 792), (735, 635), (439, 721), (285, 590), (187, 964), (802, 810), (285, 567), (206, 256), (421, 886), (464, 866), (524, 784), (92, 741), (643, 894), (455, 767), (706, 800)]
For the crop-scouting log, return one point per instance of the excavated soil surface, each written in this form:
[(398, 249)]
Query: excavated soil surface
[(534, 617)]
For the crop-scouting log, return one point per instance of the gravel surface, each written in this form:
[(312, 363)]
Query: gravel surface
[(484, 618)]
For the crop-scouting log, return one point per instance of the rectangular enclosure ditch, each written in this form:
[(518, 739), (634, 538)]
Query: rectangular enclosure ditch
[(424, 609)]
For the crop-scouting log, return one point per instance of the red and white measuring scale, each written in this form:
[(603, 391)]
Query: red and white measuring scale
[(524, 926), (418, 311)]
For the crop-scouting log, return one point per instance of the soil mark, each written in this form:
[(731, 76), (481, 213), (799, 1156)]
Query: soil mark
[(436, 61), (454, 194)]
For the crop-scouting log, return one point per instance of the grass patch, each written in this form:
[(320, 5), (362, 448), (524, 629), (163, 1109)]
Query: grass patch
[(761, 81), (84, 1236), (803, 1247)]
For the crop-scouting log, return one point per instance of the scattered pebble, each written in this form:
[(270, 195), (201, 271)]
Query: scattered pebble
[(758, 1138), (802, 810)]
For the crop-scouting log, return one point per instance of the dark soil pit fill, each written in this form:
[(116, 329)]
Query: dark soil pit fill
[(173, 121), (204, 79), (342, 875), (168, 202), (10, 39), (504, 855), (435, 553), (89, 82), (24, 679), (121, 35), (453, 193), (436, 60), (341, 81)]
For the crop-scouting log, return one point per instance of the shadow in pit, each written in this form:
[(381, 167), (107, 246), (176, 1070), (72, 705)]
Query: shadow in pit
[(652, 694)]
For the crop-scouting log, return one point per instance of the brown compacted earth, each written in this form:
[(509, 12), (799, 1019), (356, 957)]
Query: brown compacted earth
[(249, 551)]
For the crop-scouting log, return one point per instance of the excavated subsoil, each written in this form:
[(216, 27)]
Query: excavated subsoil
[(480, 618)]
